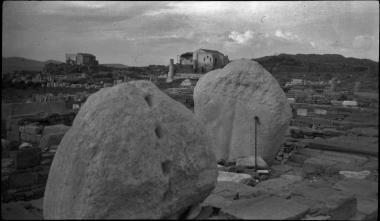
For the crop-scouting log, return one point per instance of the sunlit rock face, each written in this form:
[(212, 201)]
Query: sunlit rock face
[(227, 100)]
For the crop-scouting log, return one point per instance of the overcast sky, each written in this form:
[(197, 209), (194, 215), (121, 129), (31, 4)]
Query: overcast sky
[(143, 33)]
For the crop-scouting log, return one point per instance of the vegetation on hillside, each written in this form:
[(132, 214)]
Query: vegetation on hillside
[(323, 67)]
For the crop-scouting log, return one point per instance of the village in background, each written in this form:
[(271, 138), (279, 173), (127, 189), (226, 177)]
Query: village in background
[(331, 96)]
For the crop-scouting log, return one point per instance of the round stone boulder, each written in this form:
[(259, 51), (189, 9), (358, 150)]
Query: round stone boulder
[(228, 100), (131, 153)]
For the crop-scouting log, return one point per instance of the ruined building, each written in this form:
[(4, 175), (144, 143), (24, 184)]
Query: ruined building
[(201, 61), (81, 59)]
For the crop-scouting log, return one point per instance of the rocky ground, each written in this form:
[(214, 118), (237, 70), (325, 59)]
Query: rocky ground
[(303, 183)]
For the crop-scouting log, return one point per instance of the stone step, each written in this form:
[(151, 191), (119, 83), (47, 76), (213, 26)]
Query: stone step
[(338, 156), (266, 207), (360, 145)]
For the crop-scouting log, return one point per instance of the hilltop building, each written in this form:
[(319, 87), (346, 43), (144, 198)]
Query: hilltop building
[(201, 61), (81, 59), (205, 60)]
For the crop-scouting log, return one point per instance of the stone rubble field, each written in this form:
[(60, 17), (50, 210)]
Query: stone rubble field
[(112, 164)]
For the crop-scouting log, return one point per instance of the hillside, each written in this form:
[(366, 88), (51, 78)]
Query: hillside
[(12, 64), (115, 65), (323, 67)]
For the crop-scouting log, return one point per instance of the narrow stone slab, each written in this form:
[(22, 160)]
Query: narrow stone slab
[(348, 144), (233, 190), (334, 155), (361, 188), (320, 165), (274, 208), (278, 186), (233, 177)]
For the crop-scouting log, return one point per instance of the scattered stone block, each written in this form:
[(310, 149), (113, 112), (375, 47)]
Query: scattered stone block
[(278, 186), (25, 145), (347, 144), (51, 139), (298, 158), (273, 208), (369, 131), (233, 177), (320, 165), (58, 128), (355, 174), (250, 162), (46, 162)]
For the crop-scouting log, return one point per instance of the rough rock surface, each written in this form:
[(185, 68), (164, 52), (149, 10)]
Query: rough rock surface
[(228, 99), (132, 153)]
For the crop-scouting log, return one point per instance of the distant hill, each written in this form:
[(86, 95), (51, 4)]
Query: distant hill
[(12, 64), (115, 65), (323, 67), (53, 62)]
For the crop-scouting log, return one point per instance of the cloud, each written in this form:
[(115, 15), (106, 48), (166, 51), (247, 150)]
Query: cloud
[(363, 42), (336, 44), (241, 38), (158, 30), (190, 8), (287, 36)]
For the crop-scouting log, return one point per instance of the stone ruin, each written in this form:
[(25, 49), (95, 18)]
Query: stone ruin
[(131, 153), (135, 153), (227, 100)]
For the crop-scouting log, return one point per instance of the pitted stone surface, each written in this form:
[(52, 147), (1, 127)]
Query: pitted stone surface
[(131, 153)]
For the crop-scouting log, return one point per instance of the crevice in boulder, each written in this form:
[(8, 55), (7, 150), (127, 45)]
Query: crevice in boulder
[(158, 131), (148, 100), (166, 167)]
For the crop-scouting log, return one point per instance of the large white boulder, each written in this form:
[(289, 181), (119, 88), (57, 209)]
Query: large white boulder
[(131, 153), (227, 101)]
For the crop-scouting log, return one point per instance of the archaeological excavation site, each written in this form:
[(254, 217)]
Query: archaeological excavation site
[(223, 127)]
